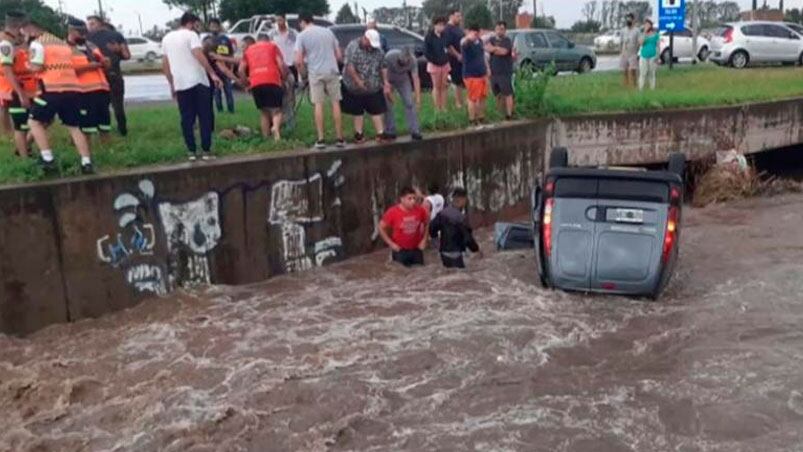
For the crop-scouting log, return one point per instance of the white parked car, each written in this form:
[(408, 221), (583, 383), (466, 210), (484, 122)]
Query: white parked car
[(741, 44), (143, 49), (609, 42), (683, 46)]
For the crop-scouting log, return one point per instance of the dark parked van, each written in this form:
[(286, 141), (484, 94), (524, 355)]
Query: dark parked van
[(608, 230)]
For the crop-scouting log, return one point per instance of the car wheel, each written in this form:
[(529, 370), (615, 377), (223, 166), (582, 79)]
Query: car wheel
[(150, 56), (739, 59), (665, 56), (677, 164), (703, 55), (559, 158), (585, 65)]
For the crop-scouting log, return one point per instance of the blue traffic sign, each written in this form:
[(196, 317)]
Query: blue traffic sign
[(672, 15)]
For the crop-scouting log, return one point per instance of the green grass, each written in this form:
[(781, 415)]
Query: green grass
[(155, 137)]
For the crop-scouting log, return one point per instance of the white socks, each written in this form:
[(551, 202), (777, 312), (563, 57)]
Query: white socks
[(47, 155), (86, 161)]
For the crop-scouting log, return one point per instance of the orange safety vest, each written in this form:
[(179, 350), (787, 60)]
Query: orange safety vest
[(24, 76), (90, 81), (262, 67), (58, 74)]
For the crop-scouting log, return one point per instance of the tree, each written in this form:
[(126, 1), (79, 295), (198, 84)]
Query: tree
[(590, 11), (38, 11), (234, 10), (479, 16), (206, 8), (543, 22), (505, 10), (794, 15), (410, 17), (586, 26), (434, 8), (345, 16)]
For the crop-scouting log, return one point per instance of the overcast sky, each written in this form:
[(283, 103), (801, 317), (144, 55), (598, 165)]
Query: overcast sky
[(154, 12)]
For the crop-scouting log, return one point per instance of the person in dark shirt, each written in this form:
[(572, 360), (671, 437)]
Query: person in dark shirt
[(224, 48), (500, 47), (114, 47), (438, 67), (475, 74), (454, 35), (455, 235)]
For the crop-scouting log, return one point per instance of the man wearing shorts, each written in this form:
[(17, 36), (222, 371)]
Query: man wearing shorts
[(500, 47), (475, 74), (51, 58), (317, 52), (365, 83), (631, 45), (95, 96), (454, 36), (17, 86), (404, 229), (263, 63)]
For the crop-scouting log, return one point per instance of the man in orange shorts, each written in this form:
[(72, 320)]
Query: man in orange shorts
[(475, 74)]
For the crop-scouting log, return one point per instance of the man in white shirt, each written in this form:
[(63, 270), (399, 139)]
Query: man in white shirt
[(285, 38), (189, 74)]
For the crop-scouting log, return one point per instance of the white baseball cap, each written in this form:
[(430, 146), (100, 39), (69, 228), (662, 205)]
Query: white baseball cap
[(373, 37)]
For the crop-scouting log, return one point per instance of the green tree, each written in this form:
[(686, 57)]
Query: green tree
[(480, 16), (234, 10), (345, 16), (206, 8), (586, 26), (543, 22), (434, 8), (37, 11)]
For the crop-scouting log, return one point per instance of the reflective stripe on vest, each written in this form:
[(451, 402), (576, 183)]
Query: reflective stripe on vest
[(58, 74)]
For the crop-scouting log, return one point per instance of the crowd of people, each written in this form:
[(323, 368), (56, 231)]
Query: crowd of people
[(76, 78), (639, 57)]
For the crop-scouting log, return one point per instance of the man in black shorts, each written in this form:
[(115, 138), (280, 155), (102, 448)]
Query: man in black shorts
[(365, 83), (500, 47), (263, 66)]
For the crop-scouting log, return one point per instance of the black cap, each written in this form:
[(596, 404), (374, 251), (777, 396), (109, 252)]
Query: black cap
[(76, 24)]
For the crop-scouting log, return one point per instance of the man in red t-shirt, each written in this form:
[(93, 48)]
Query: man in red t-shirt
[(264, 66), (404, 227)]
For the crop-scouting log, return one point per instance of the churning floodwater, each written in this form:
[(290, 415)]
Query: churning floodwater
[(367, 356)]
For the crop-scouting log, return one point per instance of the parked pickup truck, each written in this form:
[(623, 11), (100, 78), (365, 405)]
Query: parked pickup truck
[(608, 230)]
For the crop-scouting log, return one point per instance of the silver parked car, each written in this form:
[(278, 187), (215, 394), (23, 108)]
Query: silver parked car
[(536, 49), (607, 230), (741, 44)]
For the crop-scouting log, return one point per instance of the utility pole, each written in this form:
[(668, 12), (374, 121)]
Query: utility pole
[(535, 10), (100, 9), (695, 23)]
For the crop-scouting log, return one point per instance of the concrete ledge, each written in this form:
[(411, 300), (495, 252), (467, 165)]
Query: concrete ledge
[(78, 248)]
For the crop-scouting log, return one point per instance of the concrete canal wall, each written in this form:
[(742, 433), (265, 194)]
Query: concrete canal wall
[(80, 248)]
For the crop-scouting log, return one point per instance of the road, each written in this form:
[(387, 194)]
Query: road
[(154, 88), (367, 356)]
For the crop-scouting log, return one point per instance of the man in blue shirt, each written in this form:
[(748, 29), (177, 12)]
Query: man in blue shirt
[(475, 74), (454, 34), (224, 48)]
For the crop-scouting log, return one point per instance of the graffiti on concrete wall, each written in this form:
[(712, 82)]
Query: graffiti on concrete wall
[(131, 246), (297, 204), (192, 231)]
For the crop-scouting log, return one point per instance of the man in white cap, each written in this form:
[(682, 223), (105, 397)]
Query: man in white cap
[(365, 82)]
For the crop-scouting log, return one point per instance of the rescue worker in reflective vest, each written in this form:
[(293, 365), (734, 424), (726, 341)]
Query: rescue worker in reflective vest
[(51, 58), (17, 85), (89, 65), (264, 66)]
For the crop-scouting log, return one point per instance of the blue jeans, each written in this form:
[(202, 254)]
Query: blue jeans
[(405, 90), (229, 91), (196, 104)]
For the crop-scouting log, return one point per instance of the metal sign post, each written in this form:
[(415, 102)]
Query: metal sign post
[(671, 18)]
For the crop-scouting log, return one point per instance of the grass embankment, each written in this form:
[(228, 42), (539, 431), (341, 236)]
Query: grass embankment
[(155, 136)]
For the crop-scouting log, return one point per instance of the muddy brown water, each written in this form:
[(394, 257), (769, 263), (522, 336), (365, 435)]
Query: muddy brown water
[(366, 356)]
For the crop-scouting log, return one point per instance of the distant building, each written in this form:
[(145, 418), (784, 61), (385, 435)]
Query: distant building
[(774, 15), (524, 20)]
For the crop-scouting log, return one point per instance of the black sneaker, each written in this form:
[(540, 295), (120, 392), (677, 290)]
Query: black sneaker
[(86, 168), (341, 143), (192, 156), (416, 137), (389, 136), (47, 166), (320, 144), (359, 138)]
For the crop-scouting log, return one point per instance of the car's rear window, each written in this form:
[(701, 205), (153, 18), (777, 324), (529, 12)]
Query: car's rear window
[(721, 31), (602, 188)]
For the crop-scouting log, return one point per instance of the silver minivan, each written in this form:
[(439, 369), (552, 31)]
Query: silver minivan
[(607, 230), (741, 44)]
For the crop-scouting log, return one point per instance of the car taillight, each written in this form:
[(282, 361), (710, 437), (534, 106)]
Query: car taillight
[(546, 226), (728, 35), (671, 232)]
